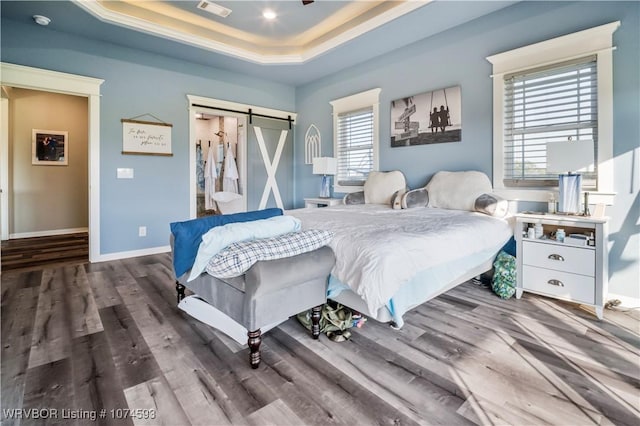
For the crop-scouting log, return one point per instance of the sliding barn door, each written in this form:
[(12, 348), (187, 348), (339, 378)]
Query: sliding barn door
[(269, 164)]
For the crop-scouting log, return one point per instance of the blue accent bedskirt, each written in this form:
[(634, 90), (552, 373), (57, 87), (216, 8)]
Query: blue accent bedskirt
[(425, 284)]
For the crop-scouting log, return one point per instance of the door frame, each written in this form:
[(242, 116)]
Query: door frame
[(225, 109), (4, 167), (53, 81)]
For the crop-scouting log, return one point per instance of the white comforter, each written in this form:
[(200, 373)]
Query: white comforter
[(378, 249)]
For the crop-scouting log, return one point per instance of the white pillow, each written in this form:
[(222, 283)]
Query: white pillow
[(380, 186), (457, 190)]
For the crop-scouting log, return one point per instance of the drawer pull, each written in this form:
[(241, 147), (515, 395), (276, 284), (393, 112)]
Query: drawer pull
[(556, 257), (556, 283)]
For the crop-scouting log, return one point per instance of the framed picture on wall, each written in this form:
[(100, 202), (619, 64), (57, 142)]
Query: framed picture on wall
[(427, 118), (49, 147)]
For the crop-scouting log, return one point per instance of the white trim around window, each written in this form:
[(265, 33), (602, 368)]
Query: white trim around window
[(594, 41), (367, 99)]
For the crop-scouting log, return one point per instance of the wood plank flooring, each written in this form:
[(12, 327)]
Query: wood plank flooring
[(85, 339), (41, 251)]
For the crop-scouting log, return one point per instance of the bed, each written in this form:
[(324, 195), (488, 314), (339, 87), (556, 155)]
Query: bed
[(391, 260)]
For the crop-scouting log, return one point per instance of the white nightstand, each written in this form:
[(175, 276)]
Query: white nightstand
[(322, 202), (570, 271)]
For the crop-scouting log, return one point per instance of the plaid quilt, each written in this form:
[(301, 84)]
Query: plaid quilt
[(237, 258)]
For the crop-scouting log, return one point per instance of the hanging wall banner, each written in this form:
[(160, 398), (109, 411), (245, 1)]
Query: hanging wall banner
[(430, 117), (146, 138)]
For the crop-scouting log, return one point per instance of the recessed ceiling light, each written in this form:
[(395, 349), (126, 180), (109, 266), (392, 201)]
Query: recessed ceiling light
[(41, 20), (269, 14)]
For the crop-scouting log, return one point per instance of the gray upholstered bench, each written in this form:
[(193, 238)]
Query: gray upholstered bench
[(266, 295)]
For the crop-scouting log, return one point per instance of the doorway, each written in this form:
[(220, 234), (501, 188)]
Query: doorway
[(259, 172), (56, 82), (220, 163), (47, 163)]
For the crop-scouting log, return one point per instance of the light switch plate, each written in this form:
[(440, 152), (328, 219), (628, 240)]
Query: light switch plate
[(125, 173)]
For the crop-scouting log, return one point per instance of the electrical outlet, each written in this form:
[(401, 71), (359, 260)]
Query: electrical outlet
[(142, 231)]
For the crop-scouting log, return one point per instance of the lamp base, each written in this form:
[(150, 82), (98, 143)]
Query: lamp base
[(570, 187), (325, 190)]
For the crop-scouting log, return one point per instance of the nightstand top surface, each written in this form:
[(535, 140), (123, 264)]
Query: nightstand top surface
[(561, 217)]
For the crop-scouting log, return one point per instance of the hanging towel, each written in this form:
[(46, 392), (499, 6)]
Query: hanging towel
[(230, 177), (199, 168), (210, 176)]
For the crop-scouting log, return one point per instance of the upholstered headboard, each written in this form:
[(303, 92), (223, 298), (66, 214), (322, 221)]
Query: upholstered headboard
[(457, 190), (379, 188)]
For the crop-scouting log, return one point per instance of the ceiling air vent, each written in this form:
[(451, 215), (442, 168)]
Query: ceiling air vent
[(216, 9)]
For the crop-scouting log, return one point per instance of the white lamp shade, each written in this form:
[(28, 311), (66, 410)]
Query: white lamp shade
[(325, 166), (569, 156)]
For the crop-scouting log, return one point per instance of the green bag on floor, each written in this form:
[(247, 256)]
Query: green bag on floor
[(504, 276), (332, 318)]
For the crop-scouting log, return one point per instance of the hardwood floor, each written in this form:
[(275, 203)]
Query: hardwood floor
[(41, 251), (79, 339)]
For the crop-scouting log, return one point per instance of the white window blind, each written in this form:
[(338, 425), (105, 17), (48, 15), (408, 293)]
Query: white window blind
[(546, 105), (355, 146)]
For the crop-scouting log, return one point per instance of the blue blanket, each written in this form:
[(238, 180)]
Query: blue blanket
[(187, 235)]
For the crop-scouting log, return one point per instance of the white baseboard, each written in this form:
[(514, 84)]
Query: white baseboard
[(48, 233), (626, 301), (132, 253)]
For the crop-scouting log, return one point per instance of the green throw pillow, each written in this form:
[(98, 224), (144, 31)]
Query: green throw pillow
[(504, 276)]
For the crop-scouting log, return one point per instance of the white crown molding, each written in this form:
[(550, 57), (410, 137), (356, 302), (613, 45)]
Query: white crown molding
[(363, 28), (95, 8)]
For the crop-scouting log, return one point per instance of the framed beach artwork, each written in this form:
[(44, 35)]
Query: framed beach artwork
[(49, 147), (427, 118)]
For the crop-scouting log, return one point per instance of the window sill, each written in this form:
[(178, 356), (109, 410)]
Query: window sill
[(541, 195), (347, 189)]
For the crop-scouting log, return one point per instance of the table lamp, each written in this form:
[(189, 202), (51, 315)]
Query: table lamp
[(569, 157), (325, 166)]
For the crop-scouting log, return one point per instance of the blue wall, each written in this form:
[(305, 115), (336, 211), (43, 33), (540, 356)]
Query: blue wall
[(457, 57), (136, 83)]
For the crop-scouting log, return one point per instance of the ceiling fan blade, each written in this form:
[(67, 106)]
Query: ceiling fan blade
[(306, 2)]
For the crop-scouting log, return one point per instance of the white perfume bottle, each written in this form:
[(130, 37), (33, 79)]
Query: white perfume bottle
[(551, 207), (538, 230), (531, 233)]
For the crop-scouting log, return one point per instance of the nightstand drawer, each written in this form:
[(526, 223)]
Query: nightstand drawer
[(579, 288), (562, 258)]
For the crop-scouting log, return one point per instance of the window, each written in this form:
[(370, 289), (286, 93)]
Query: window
[(355, 146), (355, 124), (550, 104), (548, 92)]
